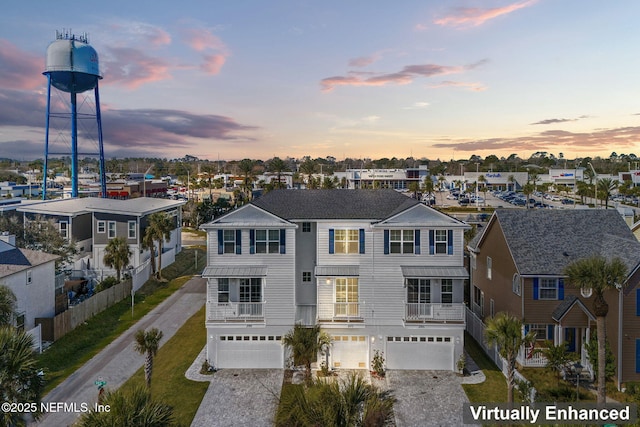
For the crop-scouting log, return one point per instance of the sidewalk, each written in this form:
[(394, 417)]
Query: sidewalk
[(117, 362)]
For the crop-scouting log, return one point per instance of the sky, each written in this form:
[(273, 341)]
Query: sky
[(363, 79)]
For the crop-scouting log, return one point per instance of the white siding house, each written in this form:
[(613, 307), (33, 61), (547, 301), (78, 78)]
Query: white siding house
[(376, 269)]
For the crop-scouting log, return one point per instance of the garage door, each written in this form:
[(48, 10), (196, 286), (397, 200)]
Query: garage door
[(420, 353), (350, 351), (250, 351)]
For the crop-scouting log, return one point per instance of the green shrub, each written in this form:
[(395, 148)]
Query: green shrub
[(106, 283)]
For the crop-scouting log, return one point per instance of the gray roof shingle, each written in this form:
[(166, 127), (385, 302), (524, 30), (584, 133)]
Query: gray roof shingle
[(334, 204), (544, 242)]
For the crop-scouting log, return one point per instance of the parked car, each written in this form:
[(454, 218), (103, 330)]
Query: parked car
[(463, 202)]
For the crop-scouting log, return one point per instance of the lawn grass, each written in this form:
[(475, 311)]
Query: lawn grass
[(494, 388), (70, 352), (169, 384)]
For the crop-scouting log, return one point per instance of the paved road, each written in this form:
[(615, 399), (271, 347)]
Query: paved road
[(118, 361)]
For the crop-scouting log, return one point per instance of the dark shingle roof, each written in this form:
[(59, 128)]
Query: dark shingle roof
[(545, 242), (10, 255), (334, 204)]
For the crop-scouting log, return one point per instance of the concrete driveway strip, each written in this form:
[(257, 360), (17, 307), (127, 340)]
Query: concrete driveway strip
[(427, 398), (241, 397), (117, 362)]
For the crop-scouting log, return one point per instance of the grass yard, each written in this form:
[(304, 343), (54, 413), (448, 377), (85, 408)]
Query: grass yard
[(168, 382), (70, 352), (494, 388)]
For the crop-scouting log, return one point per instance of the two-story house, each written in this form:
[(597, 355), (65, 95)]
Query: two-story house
[(91, 222), (517, 266), (376, 269), (31, 277)]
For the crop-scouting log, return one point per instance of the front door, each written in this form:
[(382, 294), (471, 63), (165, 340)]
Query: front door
[(570, 339)]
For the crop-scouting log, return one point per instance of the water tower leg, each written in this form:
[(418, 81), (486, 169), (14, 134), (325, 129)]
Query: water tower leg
[(103, 174), (74, 146), (46, 141)]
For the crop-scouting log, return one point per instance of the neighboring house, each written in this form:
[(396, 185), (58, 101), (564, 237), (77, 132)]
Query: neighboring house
[(91, 222), (376, 269), (31, 277), (517, 266)]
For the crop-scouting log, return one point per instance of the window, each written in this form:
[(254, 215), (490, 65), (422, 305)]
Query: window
[(446, 291), (251, 290), (549, 289), (516, 285), (441, 241), (267, 241), (223, 290), (29, 277), (306, 227), (543, 332), (64, 229), (473, 261), (489, 266), (132, 226), (346, 296), (306, 276), (20, 321), (492, 309), (418, 291), (346, 241), (401, 241), (111, 229), (229, 241), (102, 227)]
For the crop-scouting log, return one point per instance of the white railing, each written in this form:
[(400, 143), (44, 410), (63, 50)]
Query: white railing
[(531, 358), (340, 312), (236, 312), (434, 312)]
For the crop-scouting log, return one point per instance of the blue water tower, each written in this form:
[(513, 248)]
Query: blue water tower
[(72, 66)]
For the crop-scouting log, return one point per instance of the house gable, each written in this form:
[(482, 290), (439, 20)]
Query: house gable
[(248, 216), (421, 216)]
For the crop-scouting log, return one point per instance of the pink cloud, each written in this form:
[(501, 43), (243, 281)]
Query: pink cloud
[(407, 75), (472, 16), (363, 61), (213, 63), (201, 40), (19, 69), (140, 32), (133, 68)]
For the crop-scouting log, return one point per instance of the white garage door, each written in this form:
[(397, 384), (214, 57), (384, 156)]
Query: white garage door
[(420, 353), (350, 351), (250, 351)]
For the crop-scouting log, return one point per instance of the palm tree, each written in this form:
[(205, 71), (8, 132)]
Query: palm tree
[(7, 305), (483, 180), (350, 402), (606, 186), (147, 343), (506, 332), (131, 407), (160, 227), (148, 243), (278, 166), (558, 357), (246, 168), (116, 255), (308, 168), (20, 378), (304, 343), (598, 275)]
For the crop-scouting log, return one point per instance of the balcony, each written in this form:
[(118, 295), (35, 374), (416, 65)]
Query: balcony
[(340, 312), (234, 312), (437, 312)]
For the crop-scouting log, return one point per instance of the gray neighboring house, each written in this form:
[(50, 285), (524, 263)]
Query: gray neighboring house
[(31, 277), (91, 222), (377, 270)]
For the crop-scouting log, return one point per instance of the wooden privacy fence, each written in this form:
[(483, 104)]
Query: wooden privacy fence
[(77, 314)]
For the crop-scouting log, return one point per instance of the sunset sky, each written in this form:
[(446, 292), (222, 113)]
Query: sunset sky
[(435, 79)]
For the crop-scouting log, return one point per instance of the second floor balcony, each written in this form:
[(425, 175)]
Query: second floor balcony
[(434, 312), (233, 312), (340, 312)]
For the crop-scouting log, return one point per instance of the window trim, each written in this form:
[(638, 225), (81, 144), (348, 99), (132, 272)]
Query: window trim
[(402, 242), (270, 244), (229, 242), (306, 227), (225, 282), (489, 267), (440, 243), (424, 291), (63, 229), (516, 284), (306, 277), (447, 283), (109, 230), (351, 238), (101, 226), (542, 287), (134, 229)]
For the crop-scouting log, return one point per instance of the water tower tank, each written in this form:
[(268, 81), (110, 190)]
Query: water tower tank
[(72, 63)]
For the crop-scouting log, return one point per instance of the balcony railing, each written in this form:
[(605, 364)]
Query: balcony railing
[(417, 312), (236, 312), (340, 312)]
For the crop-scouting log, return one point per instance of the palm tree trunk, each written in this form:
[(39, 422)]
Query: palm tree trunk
[(602, 360), (148, 368), (160, 259), (510, 376)]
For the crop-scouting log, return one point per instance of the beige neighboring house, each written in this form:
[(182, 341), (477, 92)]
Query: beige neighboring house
[(31, 276)]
